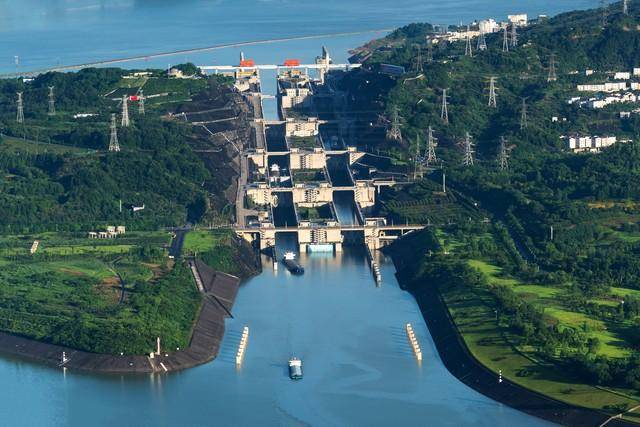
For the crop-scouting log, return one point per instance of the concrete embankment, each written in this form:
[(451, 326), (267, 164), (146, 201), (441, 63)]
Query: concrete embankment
[(463, 365), (220, 294)]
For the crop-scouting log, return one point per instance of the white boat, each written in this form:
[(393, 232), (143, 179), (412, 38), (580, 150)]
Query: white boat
[(295, 369)]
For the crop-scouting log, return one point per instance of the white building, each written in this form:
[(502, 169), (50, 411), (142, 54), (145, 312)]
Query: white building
[(520, 20), (603, 87), (622, 75), (636, 71), (488, 26), (592, 144)]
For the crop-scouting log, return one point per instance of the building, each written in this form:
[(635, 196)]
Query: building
[(622, 75), (521, 20), (488, 26), (302, 127), (603, 87), (591, 144)]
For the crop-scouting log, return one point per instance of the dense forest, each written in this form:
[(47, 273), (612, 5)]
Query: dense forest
[(57, 172)]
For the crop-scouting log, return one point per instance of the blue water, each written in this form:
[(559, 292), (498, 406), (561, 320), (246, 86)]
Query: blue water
[(359, 368)]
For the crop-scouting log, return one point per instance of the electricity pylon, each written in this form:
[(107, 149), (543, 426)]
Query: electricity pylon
[(505, 40), (418, 61), (125, 112), (503, 155), (523, 115), (552, 69), (482, 42), (394, 132), (141, 103), (625, 7), (468, 51), (444, 114), (431, 148), (20, 113), (113, 140), (468, 151), (492, 93), (52, 102), (514, 35)]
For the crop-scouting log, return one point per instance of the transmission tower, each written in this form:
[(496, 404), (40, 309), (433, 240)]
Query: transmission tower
[(482, 42), (468, 151), (625, 7), (417, 161), (431, 148), (523, 114), (429, 50), (394, 132), (20, 115), (505, 40), (514, 35), (444, 114), (125, 112), (468, 51), (141, 103), (52, 102), (503, 155), (492, 93), (113, 140), (603, 7), (552, 69), (418, 64)]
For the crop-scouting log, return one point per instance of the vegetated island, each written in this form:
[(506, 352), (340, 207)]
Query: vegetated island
[(531, 196), (87, 217)]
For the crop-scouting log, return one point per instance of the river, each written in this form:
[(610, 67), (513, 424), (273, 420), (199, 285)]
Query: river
[(359, 368)]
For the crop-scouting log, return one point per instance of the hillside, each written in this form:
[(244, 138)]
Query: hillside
[(546, 243)]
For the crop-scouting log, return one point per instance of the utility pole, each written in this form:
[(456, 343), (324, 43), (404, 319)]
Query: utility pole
[(468, 51), (505, 40), (418, 64), (394, 132), (444, 114), (523, 114), (113, 140), (625, 7), (468, 151), (551, 232), (514, 35), (552, 69), (20, 114), (492, 92), (141, 103), (125, 112), (503, 155), (444, 181), (431, 148), (52, 102), (482, 42)]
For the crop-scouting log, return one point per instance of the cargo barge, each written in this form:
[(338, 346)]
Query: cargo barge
[(292, 264)]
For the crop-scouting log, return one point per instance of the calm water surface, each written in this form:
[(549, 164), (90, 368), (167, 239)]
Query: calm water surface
[(359, 368)]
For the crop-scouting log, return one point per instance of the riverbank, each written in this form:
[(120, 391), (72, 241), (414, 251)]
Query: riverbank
[(220, 293), (463, 365)]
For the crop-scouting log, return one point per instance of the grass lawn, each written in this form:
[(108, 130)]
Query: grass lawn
[(475, 317), (198, 241)]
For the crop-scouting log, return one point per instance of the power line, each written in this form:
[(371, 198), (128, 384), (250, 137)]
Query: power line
[(444, 114), (52, 102), (113, 140), (20, 113), (492, 92)]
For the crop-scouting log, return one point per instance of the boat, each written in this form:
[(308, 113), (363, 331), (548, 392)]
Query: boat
[(295, 369), (289, 261)]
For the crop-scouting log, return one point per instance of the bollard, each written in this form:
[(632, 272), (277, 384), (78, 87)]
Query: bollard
[(414, 342), (242, 346)]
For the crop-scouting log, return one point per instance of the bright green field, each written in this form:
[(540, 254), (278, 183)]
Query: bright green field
[(198, 241)]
